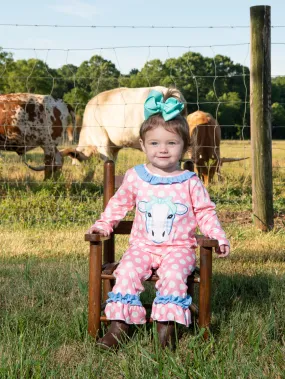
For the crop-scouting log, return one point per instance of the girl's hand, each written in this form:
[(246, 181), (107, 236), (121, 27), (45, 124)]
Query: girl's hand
[(223, 251), (102, 232)]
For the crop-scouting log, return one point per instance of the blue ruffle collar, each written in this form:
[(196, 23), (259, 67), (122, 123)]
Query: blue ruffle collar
[(146, 176)]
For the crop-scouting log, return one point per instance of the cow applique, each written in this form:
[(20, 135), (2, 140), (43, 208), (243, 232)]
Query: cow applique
[(159, 217)]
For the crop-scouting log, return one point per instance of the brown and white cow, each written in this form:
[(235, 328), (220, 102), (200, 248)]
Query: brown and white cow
[(112, 121), (205, 133), (28, 121)]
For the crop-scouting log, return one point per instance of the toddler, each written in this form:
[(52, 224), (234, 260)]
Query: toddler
[(170, 204)]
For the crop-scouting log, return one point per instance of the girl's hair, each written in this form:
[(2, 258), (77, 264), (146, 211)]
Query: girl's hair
[(177, 125)]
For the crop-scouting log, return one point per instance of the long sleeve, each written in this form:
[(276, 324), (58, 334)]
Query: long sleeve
[(204, 210), (118, 206)]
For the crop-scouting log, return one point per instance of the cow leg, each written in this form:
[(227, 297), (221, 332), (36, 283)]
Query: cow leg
[(53, 163)]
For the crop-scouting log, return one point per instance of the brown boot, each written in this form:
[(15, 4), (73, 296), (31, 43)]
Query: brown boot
[(116, 333), (166, 334)]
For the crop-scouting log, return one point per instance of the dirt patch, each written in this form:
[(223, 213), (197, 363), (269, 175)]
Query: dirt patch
[(245, 218)]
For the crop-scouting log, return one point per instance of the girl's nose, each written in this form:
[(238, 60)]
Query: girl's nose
[(163, 148)]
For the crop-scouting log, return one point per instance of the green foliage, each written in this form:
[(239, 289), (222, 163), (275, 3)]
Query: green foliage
[(217, 84)]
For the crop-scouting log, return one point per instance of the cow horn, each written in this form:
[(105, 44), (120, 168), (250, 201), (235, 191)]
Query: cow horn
[(224, 160), (40, 168), (73, 153)]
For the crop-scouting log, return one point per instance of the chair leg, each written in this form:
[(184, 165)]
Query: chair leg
[(94, 302), (205, 288)]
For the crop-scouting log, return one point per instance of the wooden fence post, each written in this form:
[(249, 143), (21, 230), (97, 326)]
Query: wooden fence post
[(260, 117)]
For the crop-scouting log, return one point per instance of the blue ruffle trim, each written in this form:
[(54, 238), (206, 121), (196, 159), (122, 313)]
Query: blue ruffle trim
[(156, 179), (183, 302), (125, 299)]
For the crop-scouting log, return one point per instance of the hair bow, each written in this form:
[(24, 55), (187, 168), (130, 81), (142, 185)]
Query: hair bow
[(154, 104)]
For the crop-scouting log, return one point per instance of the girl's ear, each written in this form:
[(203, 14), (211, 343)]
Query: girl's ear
[(142, 145)]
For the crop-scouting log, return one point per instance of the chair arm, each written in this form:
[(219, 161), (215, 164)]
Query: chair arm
[(206, 241), (96, 237)]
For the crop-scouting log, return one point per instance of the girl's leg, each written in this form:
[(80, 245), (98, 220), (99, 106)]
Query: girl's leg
[(172, 302), (124, 303)]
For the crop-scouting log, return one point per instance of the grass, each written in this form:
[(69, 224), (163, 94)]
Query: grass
[(44, 278)]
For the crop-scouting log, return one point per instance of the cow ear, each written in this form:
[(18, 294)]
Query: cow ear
[(181, 209), (142, 206)]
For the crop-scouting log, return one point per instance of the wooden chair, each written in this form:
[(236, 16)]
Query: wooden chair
[(102, 250)]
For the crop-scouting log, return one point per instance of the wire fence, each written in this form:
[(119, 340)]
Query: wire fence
[(32, 129)]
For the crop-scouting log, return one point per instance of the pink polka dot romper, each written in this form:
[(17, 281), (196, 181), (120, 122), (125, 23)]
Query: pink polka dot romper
[(168, 211)]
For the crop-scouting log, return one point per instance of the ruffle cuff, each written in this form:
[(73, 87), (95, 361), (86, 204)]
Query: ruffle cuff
[(124, 299), (171, 312), (183, 302), (131, 314)]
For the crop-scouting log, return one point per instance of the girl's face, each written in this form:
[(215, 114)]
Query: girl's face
[(163, 149)]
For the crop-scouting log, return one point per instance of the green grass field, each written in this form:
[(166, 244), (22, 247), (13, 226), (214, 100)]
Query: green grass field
[(44, 279)]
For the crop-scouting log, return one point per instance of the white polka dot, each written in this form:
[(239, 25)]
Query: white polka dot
[(175, 293), (170, 305), (177, 255), (185, 271), (175, 267), (180, 228), (165, 292), (173, 193), (125, 282), (108, 314), (122, 192), (117, 315), (182, 286), (128, 320), (171, 284), (168, 273), (138, 260), (117, 290), (124, 201), (140, 192), (179, 311), (183, 195), (179, 275), (170, 316), (129, 264), (135, 314), (130, 178), (161, 193), (162, 311), (171, 260), (122, 271), (139, 270), (188, 258), (184, 237), (140, 226), (150, 193), (182, 261), (132, 274), (145, 258), (184, 221), (135, 253), (179, 186)]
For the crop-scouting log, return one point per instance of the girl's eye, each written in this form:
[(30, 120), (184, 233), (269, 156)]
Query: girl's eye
[(153, 143), (172, 143)]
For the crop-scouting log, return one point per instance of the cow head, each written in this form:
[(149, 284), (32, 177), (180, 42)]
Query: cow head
[(159, 216)]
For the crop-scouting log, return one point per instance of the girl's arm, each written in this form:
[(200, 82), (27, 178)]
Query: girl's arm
[(205, 213), (117, 207)]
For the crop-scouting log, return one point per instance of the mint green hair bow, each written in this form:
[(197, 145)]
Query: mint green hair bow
[(154, 104)]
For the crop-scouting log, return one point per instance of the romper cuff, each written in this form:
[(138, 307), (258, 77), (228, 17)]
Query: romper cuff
[(183, 302), (124, 299)]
